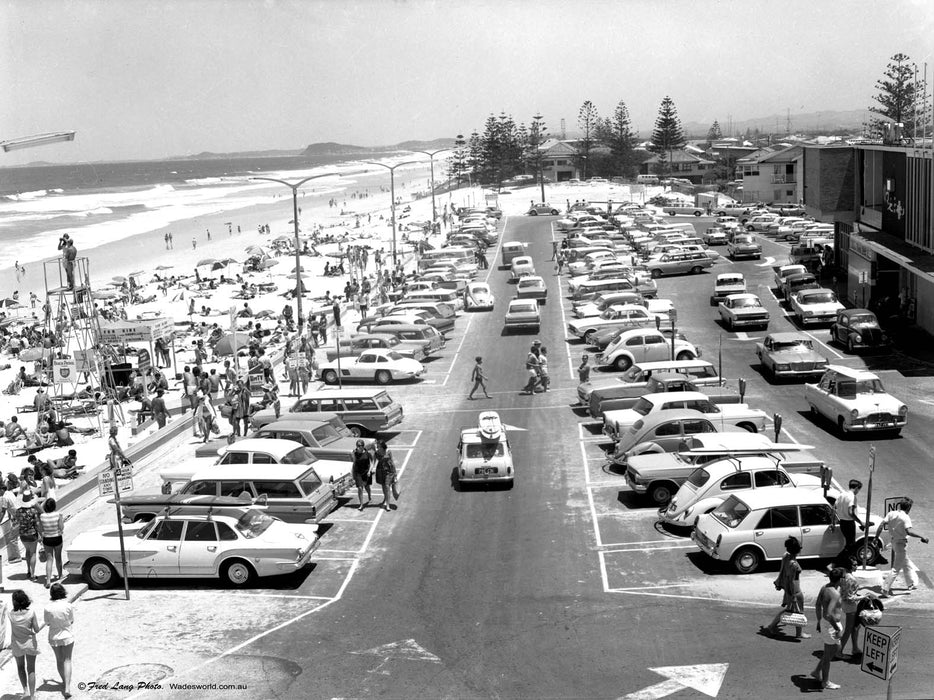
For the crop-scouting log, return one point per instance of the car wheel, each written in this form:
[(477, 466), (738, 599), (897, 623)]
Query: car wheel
[(841, 426), (237, 573), (685, 355), (99, 573), (383, 377), (554, 212), (622, 363), (356, 430), (656, 274), (697, 213), (329, 376), (748, 427), (750, 229), (867, 552), (661, 493), (696, 270), (533, 213), (589, 336), (747, 560)]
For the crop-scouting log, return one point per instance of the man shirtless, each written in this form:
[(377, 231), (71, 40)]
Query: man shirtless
[(829, 610)]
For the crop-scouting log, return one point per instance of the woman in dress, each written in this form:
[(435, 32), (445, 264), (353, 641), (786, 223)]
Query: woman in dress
[(27, 517), (789, 581), (60, 617), (207, 416), (52, 529), (362, 474), (385, 472), (24, 625)]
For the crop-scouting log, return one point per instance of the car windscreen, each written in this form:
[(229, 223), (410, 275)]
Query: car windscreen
[(643, 407), (325, 434), (731, 512), (254, 523), (801, 344), (300, 455), (819, 298), (383, 400)]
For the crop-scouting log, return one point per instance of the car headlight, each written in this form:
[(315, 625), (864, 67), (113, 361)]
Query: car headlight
[(858, 338), (854, 414), (903, 410), (808, 313), (781, 367)]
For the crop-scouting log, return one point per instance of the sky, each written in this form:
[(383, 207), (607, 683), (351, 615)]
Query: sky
[(149, 79)]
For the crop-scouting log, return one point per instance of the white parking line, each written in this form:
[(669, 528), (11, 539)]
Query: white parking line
[(593, 507), (821, 342), (630, 550), (607, 484)]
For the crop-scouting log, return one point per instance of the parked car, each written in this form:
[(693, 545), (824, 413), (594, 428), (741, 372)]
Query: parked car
[(743, 245), (532, 287), (365, 410), (356, 344), (679, 264), (380, 366), (858, 329), (854, 400), (783, 273), (790, 355), (611, 397), (761, 222), (320, 437), (708, 486), (659, 475), (815, 306), (715, 235), (749, 529), (700, 372), (795, 283), (597, 306), (661, 432), (726, 284), (743, 311), (522, 314), (233, 545), (739, 415), (641, 345), (544, 209), (619, 316)]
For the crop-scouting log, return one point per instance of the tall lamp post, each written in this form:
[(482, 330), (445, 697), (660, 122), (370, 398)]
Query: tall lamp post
[(298, 265), (431, 155), (392, 194)]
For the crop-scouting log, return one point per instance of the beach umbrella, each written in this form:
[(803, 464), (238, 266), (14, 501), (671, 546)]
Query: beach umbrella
[(163, 267), (254, 250), (230, 343), (206, 261), (230, 260), (119, 279), (219, 265), (267, 263), (10, 303), (104, 294), (300, 268)]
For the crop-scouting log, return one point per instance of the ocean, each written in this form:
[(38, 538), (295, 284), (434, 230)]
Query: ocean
[(99, 203)]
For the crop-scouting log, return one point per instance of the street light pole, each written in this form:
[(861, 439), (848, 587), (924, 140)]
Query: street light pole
[(298, 265), (431, 155), (392, 194)]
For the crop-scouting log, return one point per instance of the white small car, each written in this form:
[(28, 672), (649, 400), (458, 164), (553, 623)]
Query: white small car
[(740, 415), (815, 306), (484, 454), (373, 365), (743, 311), (726, 284), (477, 296), (854, 400), (522, 266)]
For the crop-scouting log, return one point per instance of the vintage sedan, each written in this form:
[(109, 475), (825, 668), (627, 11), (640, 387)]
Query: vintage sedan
[(522, 314), (854, 400), (815, 306), (380, 366), (715, 235), (235, 544), (543, 209), (636, 345), (726, 284), (739, 415), (597, 306), (858, 329), (478, 296), (784, 272), (790, 355), (743, 311), (618, 316), (324, 441), (662, 432), (522, 266), (532, 287), (751, 528), (679, 264), (743, 246)]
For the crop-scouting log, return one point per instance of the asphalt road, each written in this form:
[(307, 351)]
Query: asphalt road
[(560, 587)]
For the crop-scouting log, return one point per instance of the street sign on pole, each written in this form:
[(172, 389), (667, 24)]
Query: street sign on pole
[(880, 651), (107, 484), (892, 504)]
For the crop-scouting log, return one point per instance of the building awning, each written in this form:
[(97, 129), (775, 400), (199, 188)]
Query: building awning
[(894, 248)]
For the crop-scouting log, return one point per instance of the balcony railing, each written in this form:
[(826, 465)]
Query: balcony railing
[(784, 179)]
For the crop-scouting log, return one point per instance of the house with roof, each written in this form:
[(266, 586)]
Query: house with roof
[(559, 160), (679, 163), (771, 175)]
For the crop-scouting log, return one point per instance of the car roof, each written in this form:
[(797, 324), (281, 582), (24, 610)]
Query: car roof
[(534, 278), (662, 364), (258, 472), (732, 440), (788, 336), (522, 302), (766, 498), (744, 295), (653, 419), (675, 395), (852, 372), (816, 290), (854, 312), (730, 275), (366, 392), (291, 424), (274, 446)]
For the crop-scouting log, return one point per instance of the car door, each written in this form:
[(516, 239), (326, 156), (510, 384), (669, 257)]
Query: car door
[(775, 526), (819, 535), (655, 348), (364, 366), (284, 499), (198, 552), (158, 555), (635, 346), (318, 494)]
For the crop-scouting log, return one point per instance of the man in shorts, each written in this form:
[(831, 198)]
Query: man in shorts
[(829, 611)]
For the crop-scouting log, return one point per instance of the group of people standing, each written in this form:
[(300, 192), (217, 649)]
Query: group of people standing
[(375, 461), (536, 367)]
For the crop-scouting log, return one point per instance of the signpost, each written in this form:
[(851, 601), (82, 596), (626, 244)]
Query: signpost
[(892, 504), (111, 482), (880, 652), (872, 468)]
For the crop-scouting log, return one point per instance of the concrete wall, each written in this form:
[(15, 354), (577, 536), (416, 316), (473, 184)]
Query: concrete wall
[(830, 183)]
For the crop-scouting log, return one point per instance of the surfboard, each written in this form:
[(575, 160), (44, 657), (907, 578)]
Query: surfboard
[(490, 426)]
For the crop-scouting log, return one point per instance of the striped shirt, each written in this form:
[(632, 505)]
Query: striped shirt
[(51, 524)]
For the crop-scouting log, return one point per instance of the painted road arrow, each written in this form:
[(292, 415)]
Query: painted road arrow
[(768, 262), (403, 650), (704, 678)]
